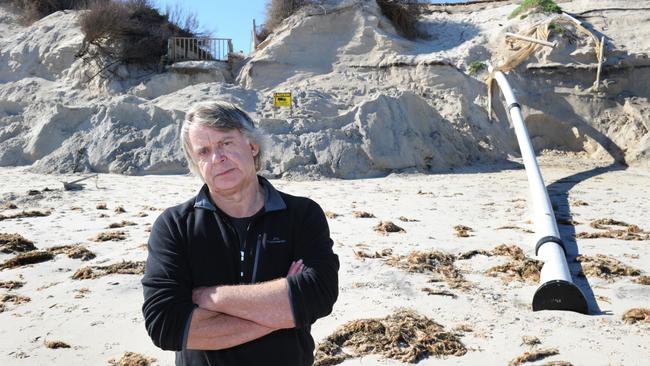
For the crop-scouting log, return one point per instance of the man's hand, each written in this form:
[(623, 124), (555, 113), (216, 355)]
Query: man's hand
[(295, 268)]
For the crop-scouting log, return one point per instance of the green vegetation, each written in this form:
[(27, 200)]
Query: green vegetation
[(556, 28), (546, 6), (475, 67)]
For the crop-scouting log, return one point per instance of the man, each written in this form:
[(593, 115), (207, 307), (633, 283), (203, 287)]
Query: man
[(237, 274)]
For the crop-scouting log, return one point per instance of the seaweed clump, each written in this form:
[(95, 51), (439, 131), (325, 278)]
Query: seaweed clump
[(124, 267), (404, 336)]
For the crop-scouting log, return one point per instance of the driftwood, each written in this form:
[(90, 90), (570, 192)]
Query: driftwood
[(75, 186)]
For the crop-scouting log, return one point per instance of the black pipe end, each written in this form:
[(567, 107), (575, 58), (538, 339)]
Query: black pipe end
[(559, 295)]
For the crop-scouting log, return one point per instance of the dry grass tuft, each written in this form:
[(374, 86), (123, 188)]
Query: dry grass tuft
[(24, 259), (11, 285), (637, 315), (362, 215), (404, 336), (16, 299), (628, 231), (110, 236), (124, 267), (643, 280), (462, 231), (132, 359), (15, 243), (605, 267), (25, 214), (124, 223), (119, 210), (533, 356), (56, 344)]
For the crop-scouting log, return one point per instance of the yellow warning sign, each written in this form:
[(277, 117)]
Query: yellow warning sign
[(282, 99)]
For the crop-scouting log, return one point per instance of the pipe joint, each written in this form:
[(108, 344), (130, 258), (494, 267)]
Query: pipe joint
[(550, 239), (513, 105)]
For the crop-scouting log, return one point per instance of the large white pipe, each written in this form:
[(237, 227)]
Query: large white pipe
[(557, 290)]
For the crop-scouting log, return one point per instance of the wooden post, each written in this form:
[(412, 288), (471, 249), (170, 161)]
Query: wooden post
[(529, 39), (254, 36), (600, 63)]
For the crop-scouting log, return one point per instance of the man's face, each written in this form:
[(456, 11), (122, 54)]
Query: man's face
[(225, 158)]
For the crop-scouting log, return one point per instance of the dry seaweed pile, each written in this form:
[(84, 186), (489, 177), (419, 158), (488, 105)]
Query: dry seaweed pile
[(520, 267), (110, 236), (628, 231), (642, 280), (123, 223), (125, 267), (132, 359), (526, 269), (462, 231), (16, 299), (11, 285), (56, 344), (23, 259), (38, 256), (25, 214), (406, 219), (533, 356), (382, 254), (331, 215), (605, 267), (385, 227), (637, 315), (405, 336), (14, 243), (439, 263), (73, 251)]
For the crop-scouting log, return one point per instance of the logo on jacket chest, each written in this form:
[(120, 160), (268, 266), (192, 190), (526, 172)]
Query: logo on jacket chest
[(274, 239)]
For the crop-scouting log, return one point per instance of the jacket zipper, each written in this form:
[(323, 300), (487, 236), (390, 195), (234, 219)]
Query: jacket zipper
[(261, 242)]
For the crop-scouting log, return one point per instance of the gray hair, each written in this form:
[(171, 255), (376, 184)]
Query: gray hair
[(224, 116)]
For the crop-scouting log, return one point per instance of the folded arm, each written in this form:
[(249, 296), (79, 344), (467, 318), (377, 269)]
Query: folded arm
[(214, 331), (266, 304)]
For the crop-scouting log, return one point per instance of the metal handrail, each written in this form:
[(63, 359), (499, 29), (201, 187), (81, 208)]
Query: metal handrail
[(198, 49)]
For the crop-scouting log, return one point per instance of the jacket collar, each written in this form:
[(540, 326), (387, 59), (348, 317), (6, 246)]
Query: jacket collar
[(272, 199)]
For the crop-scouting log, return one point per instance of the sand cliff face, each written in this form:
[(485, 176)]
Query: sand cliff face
[(366, 101)]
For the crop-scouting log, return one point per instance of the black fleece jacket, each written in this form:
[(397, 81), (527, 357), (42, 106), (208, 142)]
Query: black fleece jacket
[(194, 244)]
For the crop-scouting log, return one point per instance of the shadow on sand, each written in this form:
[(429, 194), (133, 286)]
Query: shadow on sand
[(559, 194)]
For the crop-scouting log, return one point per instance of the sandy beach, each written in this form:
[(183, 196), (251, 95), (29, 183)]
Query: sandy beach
[(489, 312)]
